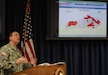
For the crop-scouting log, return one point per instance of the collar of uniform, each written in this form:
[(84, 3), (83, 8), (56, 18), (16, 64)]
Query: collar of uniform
[(12, 46)]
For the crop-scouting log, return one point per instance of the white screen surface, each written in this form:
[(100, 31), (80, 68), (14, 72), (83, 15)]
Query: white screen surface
[(82, 19)]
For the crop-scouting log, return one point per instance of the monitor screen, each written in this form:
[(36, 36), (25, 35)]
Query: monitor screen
[(82, 19)]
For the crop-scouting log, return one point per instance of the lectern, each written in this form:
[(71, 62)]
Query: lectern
[(56, 69)]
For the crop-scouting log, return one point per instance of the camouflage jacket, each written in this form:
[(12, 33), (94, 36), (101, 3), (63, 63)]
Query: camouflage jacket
[(8, 57)]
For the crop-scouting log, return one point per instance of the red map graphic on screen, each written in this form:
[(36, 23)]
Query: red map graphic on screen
[(91, 22), (72, 23)]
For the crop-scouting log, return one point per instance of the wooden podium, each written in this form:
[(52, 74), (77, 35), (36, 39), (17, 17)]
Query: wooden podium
[(44, 70)]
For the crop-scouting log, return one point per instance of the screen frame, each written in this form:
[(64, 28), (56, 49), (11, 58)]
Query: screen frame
[(52, 24)]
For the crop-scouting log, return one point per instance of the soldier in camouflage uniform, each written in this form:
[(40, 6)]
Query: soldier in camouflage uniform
[(11, 59)]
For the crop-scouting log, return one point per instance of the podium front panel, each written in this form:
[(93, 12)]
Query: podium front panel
[(44, 70)]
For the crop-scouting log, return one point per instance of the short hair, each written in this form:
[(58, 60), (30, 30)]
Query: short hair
[(10, 34)]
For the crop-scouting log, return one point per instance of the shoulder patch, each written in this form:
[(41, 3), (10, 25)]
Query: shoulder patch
[(4, 54)]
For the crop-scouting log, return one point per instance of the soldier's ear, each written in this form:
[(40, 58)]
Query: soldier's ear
[(10, 38)]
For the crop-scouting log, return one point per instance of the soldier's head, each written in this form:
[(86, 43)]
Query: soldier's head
[(14, 37)]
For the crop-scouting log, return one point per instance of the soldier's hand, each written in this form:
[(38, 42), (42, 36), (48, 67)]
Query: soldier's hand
[(21, 60), (33, 61)]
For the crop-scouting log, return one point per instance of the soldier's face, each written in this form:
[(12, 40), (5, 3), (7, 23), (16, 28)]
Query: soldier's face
[(15, 37)]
